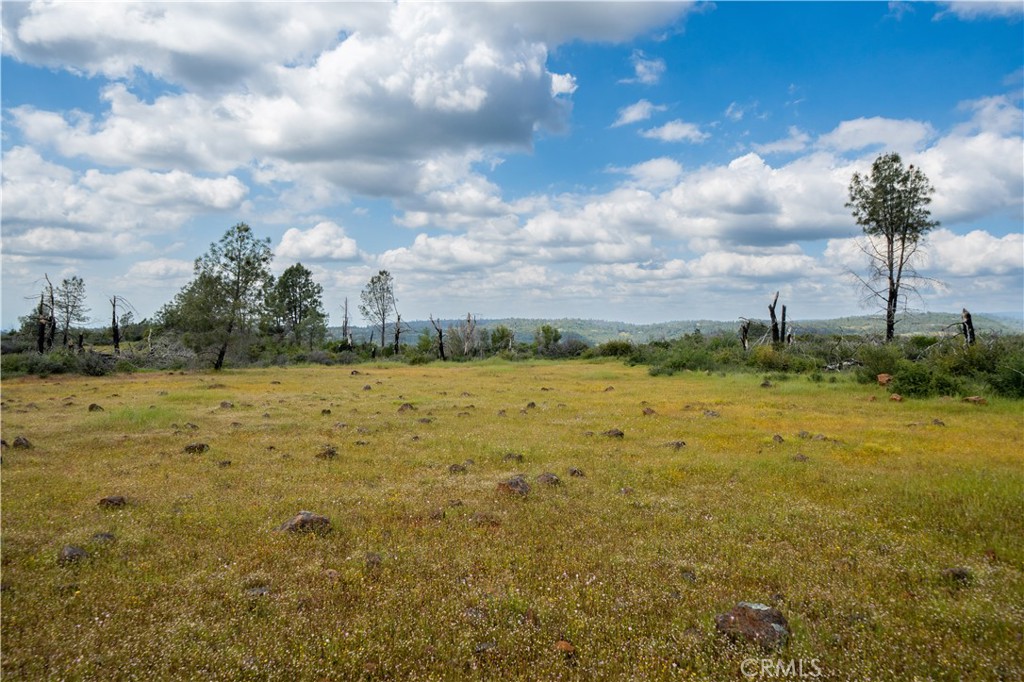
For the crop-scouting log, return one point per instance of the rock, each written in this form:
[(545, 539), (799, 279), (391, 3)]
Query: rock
[(405, 407), (324, 412), (425, 420), (474, 614), (767, 384), (191, 426), (896, 398), (938, 422), (306, 522), (626, 490), (355, 372), (21, 443), (258, 591), (614, 433), (457, 469), (676, 444), (711, 413), (437, 514), (95, 408), (113, 501), (70, 554), (275, 383), (328, 452), (959, 576), (224, 463), (975, 399), (803, 434), (332, 575), (800, 457), (531, 405), (372, 561), (367, 387), (103, 537), (548, 478), (648, 412), (578, 473), (485, 647), (512, 457), (778, 439), (884, 379), (610, 388), (516, 485), (485, 520), (688, 575), (502, 413), (226, 405), (196, 448), (757, 623)]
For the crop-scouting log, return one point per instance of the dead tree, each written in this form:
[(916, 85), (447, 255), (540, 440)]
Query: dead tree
[(398, 333), (967, 325), (115, 331), (469, 335), (41, 321), (744, 331), (782, 330), (775, 321), (440, 337), (51, 321), (346, 334)]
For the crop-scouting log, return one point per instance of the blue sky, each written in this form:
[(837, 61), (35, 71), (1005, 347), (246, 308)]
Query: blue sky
[(639, 162)]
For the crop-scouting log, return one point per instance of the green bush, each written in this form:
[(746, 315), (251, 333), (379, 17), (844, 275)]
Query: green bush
[(1008, 378), (616, 348), (877, 360)]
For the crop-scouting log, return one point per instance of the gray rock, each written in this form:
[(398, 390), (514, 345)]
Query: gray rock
[(756, 623), (548, 478), (306, 522), (111, 501), (196, 448), (516, 485), (95, 408), (70, 554), (21, 443)]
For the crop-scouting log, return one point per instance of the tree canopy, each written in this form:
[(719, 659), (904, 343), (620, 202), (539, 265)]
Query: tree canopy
[(377, 301)]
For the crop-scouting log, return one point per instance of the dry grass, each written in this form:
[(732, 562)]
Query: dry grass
[(850, 543)]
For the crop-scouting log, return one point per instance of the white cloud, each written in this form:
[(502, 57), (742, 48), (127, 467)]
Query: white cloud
[(902, 136), (655, 174), (647, 71), (676, 131), (977, 10), (640, 111), (796, 141), (159, 271), (975, 254), (61, 242), (326, 241)]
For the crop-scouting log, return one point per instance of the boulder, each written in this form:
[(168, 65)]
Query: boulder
[(756, 623), (21, 443), (70, 554), (884, 379), (614, 433), (516, 485), (306, 522), (111, 501), (548, 478), (196, 448)]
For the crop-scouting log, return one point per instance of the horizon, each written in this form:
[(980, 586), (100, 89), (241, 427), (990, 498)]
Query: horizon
[(644, 163)]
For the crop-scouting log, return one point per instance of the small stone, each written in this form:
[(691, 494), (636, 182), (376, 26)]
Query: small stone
[(688, 575), (578, 473), (258, 591), (803, 434), (896, 398), (531, 405), (95, 408), (457, 469), (474, 614), (406, 407), (327, 452), (191, 426), (437, 514), (884, 379), (111, 501), (355, 372), (778, 439), (626, 490), (959, 575), (372, 561), (800, 457), (516, 485), (71, 554), (425, 420), (502, 413), (711, 414), (21, 443), (648, 412), (367, 387), (512, 457), (224, 463), (306, 521), (766, 384), (614, 433), (324, 412), (938, 422), (103, 537), (757, 623), (226, 405), (275, 383), (676, 444), (196, 448), (485, 647), (610, 388), (332, 575), (975, 399), (548, 478)]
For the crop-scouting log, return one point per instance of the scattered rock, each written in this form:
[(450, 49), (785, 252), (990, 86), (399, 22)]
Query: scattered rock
[(111, 501), (896, 398), (676, 444), (803, 434), (306, 521), (372, 561), (405, 407), (610, 388), (648, 412), (778, 439), (367, 387), (502, 413), (324, 412), (578, 473), (70, 554), (258, 591), (819, 436), (191, 426), (196, 448), (757, 623), (884, 379), (711, 413), (548, 478), (767, 384), (938, 422), (800, 457), (21, 443), (516, 485), (614, 433), (484, 647), (103, 537), (95, 408), (226, 405), (224, 463), (975, 399), (688, 575), (457, 469), (328, 452), (531, 405), (512, 457), (959, 576)]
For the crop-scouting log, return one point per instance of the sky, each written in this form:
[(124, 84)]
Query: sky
[(639, 162)]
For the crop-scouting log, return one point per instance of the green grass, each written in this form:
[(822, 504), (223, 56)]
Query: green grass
[(850, 544)]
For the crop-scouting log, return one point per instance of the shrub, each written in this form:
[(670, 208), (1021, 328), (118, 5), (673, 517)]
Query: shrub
[(912, 379), (1008, 378), (875, 360), (616, 348)]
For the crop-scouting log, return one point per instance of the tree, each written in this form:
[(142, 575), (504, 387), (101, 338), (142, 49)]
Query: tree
[(891, 206), (295, 304), (226, 296), (377, 301), (502, 338), (546, 338), (69, 305)]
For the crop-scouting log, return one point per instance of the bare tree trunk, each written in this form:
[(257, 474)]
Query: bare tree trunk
[(114, 330), (51, 322), (41, 328), (744, 331), (440, 338), (968, 327), (775, 322), (890, 313), (398, 333), (81, 342), (782, 330), (224, 346), (469, 337), (346, 336)]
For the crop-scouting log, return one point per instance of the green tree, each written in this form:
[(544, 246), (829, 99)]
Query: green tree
[(377, 301), (69, 306), (891, 206), (546, 338), (227, 295), (502, 338), (295, 305)]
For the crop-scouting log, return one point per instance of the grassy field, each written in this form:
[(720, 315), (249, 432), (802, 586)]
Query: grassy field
[(846, 523)]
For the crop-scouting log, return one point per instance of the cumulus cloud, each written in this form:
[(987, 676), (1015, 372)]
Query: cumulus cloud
[(655, 174), (903, 136), (647, 71), (796, 141), (640, 111), (676, 131), (159, 271), (974, 11), (326, 241)]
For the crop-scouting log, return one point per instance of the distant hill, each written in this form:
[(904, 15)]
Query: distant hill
[(599, 331)]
